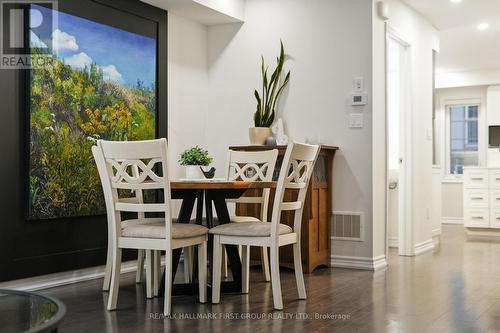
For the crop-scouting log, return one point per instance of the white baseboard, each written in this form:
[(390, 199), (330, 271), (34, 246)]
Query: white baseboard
[(423, 247), (436, 236), (452, 220), (393, 242), (63, 278), (372, 264), (436, 232)]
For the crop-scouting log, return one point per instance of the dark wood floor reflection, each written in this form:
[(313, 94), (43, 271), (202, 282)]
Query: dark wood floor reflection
[(454, 289)]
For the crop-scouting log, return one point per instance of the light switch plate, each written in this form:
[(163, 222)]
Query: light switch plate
[(356, 120), (359, 84)]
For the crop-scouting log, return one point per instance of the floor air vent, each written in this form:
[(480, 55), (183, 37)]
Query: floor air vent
[(347, 226)]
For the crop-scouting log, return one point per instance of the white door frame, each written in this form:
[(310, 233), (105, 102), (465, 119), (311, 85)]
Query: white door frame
[(405, 224)]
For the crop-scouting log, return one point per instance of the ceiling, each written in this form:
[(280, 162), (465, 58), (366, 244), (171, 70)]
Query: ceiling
[(445, 15), (207, 12), (464, 48)]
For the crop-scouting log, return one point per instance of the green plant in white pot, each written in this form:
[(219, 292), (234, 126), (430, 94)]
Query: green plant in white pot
[(266, 101), (194, 159)]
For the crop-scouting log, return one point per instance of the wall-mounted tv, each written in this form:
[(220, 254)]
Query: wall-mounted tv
[(494, 134)]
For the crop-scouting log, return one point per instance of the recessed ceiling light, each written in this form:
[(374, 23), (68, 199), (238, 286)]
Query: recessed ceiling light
[(483, 26), (455, 1)]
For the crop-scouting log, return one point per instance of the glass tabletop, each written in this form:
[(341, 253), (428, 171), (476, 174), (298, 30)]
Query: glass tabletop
[(22, 311)]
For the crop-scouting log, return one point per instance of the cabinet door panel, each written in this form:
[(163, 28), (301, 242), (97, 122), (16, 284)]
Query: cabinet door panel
[(476, 198), (324, 234), (495, 219), (476, 178), (476, 218), (494, 179), (495, 199)]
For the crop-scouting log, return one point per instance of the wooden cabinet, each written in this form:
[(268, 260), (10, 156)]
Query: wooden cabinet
[(315, 239)]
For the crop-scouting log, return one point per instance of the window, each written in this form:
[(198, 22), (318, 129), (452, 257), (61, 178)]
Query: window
[(463, 137)]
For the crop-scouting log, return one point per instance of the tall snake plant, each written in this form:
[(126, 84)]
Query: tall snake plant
[(271, 91)]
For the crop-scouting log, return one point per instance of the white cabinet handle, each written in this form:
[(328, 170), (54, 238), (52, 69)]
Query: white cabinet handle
[(479, 198), (477, 178), (477, 217)]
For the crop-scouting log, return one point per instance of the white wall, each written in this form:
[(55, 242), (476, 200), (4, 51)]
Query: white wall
[(493, 118), (452, 202), (319, 36), (379, 154), (423, 38), (467, 78), (187, 87), (493, 101), (437, 195)]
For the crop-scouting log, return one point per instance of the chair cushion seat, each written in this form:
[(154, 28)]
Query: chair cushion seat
[(148, 220), (233, 219), (239, 219), (156, 229), (249, 229)]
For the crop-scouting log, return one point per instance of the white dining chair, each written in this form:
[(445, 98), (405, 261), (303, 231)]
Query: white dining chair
[(252, 166), (247, 166), (115, 162), (295, 174), (141, 254), (138, 198)]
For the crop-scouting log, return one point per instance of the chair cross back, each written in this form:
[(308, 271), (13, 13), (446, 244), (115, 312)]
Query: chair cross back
[(252, 166), (135, 174), (121, 166), (257, 173), (296, 171)]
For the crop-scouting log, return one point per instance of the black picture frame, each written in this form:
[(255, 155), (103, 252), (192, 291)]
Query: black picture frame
[(36, 247)]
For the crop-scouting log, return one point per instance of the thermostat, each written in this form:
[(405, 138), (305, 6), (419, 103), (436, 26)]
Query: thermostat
[(358, 99), (356, 120)]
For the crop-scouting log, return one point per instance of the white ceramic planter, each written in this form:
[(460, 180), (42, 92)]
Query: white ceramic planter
[(194, 172), (258, 135)]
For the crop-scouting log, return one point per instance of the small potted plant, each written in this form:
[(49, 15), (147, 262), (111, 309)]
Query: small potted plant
[(194, 159), (266, 101)]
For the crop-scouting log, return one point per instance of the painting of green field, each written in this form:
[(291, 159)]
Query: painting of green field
[(100, 85)]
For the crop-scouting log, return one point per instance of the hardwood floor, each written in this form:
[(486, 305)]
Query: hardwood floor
[(456, 288)]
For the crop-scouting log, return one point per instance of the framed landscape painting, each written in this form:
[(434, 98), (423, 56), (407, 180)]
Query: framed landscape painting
[(101, 84)]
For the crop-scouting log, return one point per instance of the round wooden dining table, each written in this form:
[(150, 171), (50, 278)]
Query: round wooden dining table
[(211, 193)]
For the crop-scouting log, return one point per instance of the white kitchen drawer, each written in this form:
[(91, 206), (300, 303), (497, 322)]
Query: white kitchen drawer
[(495, 218), (495, 199), (494, 179), (477, 218), (476, 178), (476, 198)]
